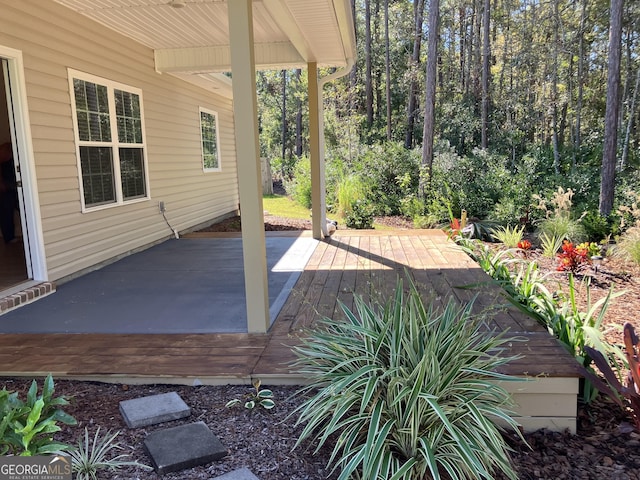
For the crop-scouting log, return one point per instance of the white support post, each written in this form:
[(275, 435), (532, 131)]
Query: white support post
[(318, 219), (245, 112)]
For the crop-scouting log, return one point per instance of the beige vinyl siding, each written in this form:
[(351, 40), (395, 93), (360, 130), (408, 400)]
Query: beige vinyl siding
[(53, 39)]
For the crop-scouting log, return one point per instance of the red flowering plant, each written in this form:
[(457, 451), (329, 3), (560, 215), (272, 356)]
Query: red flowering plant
[(572, 257), (524, 245)]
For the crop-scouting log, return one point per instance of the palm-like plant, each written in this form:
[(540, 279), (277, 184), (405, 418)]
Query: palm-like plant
[(405, 391)]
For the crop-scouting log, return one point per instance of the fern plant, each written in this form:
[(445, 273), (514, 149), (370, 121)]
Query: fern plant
[(405, 391)]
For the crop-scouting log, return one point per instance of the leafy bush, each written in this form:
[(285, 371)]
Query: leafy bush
[(405, 391), (425, 221), (299, 187), (390, 172), (91, 455), (27, 427), (596, 227), (360, 216)]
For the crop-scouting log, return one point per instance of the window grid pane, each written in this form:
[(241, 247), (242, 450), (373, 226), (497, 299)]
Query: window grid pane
[(92, 108), (132, 173), (128, 115), (209, 141), (97, 175)]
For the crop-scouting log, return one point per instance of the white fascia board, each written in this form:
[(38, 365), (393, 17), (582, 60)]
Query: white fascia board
[(280, 55), (283, 17), (346, 24)]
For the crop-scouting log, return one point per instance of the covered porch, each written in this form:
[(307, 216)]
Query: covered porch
[(365, 263)]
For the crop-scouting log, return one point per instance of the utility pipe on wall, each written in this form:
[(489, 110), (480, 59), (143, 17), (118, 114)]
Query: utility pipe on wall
[(321, 83)]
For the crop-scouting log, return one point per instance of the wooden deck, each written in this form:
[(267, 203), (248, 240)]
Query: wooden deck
[(365, 262)]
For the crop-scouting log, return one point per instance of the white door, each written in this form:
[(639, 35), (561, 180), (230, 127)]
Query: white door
[(28, 246)]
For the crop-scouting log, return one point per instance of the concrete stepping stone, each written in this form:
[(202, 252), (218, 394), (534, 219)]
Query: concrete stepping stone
[(240, 474), (144, 411), (185, 446)]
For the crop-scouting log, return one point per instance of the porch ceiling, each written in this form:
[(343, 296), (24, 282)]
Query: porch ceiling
[(194, 40)]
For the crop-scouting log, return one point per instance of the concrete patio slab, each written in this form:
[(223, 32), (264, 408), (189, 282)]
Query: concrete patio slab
[(240, 474), (141, 412), (193, 285), (185, 446)]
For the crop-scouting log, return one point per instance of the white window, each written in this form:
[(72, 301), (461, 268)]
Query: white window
[(110, 141), (209, 133)]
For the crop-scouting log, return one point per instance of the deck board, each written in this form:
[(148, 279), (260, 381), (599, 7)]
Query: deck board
[(363, 263)]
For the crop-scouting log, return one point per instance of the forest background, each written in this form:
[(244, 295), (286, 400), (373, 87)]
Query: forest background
[(472, 105)]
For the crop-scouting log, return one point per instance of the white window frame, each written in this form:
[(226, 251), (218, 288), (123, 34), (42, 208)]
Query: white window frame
[(114, 144), (215, 115)]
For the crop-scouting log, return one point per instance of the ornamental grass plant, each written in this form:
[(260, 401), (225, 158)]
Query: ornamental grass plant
[(509, 236), (404, 390)]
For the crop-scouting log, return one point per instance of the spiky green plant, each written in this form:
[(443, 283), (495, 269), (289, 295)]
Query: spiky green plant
[(404, 390), (629, 245), (550, 244), (94, 454), (509, 236)]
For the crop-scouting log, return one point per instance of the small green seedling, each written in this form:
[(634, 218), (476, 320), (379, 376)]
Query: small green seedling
[(263, 398)]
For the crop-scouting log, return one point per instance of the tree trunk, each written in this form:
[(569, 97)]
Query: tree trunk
[(463, 42), (608, 172), (430, 90), (485, 74), (284, 114), (387, 67), (353, 76), (581, 60), (554, 88), (418, 16), (632, 114), (298, 117), (368, 82)]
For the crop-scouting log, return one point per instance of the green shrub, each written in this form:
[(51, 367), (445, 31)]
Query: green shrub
[(426, 221), (412, 206), (299, 187), (390, 173), (360, 216), (596, 227), (27, 427), (405, 391)]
